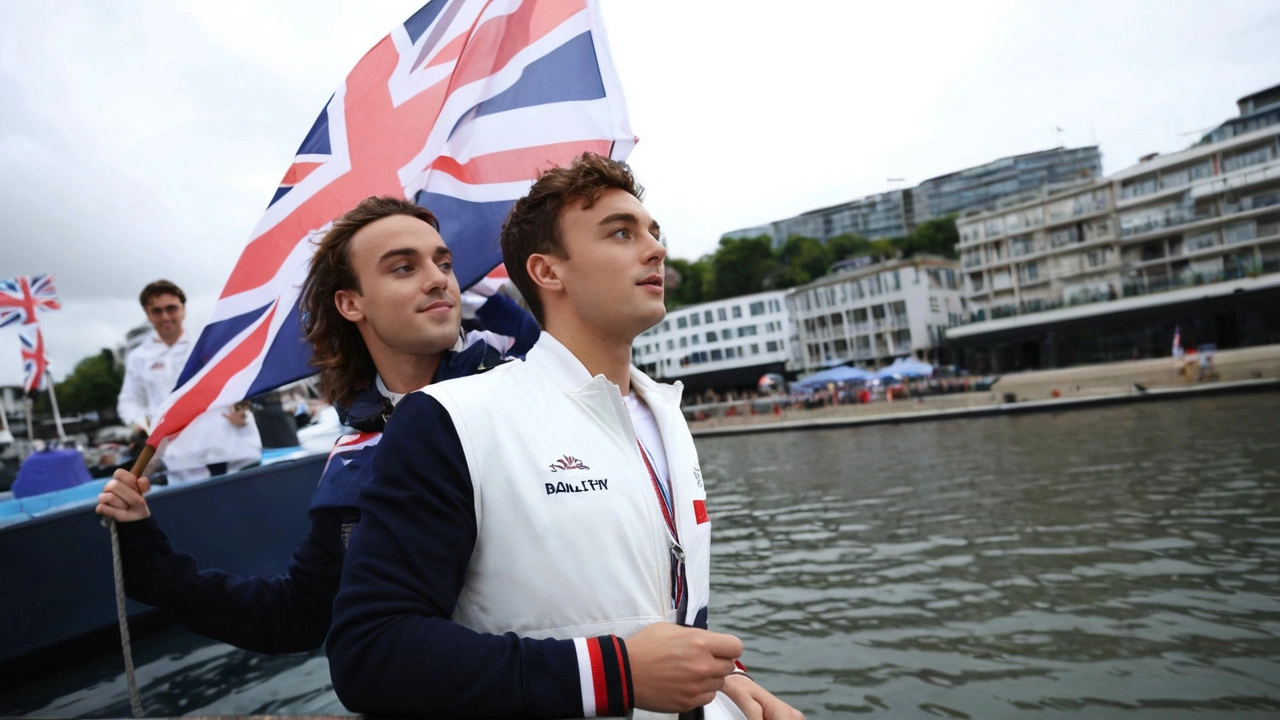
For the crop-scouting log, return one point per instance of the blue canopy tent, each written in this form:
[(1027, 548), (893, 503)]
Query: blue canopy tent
[(840, 373), (905, 368)]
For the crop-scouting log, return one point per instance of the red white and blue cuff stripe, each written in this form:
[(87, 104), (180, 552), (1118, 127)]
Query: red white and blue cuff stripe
[(605, 676)]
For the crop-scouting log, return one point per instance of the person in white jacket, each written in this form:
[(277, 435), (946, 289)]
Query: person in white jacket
[(218, 441), (535, 540)]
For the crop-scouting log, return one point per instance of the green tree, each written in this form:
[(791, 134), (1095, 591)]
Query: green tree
[(741, 266), (94, 384), (847, 246), (802, 259), (936, 237), (691, 284)]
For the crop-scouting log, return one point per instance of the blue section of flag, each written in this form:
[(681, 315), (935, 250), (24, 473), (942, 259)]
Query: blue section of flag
[(422, 19), (470, 229), (566, 74), (288, 357), (213, 338), (317, 140)]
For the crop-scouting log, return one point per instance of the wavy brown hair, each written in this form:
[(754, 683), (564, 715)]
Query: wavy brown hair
[(533, 225), (337, 349)]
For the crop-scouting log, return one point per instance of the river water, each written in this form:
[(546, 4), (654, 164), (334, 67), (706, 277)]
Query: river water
[(1118, 562)]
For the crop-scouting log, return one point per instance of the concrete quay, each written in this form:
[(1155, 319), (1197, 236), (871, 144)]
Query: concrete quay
[(1244, 370)]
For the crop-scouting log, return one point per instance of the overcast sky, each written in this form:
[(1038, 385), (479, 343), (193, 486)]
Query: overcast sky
[(143, 139)]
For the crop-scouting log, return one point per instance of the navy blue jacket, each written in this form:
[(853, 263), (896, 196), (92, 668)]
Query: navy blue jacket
[(290, 612)]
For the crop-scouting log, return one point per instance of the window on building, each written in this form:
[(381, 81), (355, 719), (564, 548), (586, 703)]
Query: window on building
[(757, 308), (693, 339), (1240, 232), (707, 317), (695, 320), (1202, 240), (737, 311), (666, 325), (729, 353), (1138, 187), (1098, 258), (717, 354), (711, 336), (725, 334), (1252, 156), (746, 330), (721, 314), (933, 303), (671, 344), (755, 349), (772, 346), (684, 342)]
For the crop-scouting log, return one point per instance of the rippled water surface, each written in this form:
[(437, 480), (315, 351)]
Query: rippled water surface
[(1101, 563)]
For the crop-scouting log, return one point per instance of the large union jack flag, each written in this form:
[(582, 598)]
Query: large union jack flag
[(458, 109), (22, 297), (35, 361)]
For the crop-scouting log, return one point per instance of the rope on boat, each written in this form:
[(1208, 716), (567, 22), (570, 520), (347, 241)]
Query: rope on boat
[(117, 568)]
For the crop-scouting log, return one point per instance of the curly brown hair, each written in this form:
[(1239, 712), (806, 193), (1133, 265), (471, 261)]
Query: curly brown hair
[(337, 348), (533, 225)]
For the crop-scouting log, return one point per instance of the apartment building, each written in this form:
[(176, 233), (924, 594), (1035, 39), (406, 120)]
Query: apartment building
[(875, 313), (896, 213), (719, 344), (1168, 227)]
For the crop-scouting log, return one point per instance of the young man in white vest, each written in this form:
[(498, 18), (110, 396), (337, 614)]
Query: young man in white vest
[(534, 541)]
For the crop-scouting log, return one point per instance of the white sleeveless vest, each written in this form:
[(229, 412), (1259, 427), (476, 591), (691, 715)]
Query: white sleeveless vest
[(570, 538)]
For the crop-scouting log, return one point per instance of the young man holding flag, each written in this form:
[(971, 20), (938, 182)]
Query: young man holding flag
[(560, 567), (383, 315)]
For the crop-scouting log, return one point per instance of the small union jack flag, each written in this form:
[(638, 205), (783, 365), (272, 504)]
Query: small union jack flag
[(35, 361), (22, 297), (459, 108)]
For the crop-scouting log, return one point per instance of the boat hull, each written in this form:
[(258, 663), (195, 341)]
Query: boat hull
[(56, 568)]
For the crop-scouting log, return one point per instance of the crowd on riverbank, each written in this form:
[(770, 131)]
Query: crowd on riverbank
[(924, 395)]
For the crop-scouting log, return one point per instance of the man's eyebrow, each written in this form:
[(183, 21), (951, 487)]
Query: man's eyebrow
[(620, 217), (398, 252), (443, 252), (631, 218)]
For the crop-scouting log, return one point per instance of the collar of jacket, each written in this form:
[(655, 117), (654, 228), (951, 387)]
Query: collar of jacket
[(567, 371), (370, 410)]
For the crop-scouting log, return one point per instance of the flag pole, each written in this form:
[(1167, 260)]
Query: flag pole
[(27, 407), (57, 418)]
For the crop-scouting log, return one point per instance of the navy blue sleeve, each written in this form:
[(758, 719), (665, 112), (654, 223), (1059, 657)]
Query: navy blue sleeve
[(286, 613), (393, 648), (502, 315)]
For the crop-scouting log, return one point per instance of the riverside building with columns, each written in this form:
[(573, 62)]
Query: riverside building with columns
[(1106, 270)]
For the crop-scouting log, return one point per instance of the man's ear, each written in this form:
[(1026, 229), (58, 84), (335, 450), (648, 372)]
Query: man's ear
[(544, 272), (348, 304)]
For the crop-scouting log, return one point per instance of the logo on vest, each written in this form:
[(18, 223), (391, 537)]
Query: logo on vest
[(577, 487), (697, 475), (568, 462)]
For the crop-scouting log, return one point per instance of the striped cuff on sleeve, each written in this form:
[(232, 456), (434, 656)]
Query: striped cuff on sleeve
[(605, 676)]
